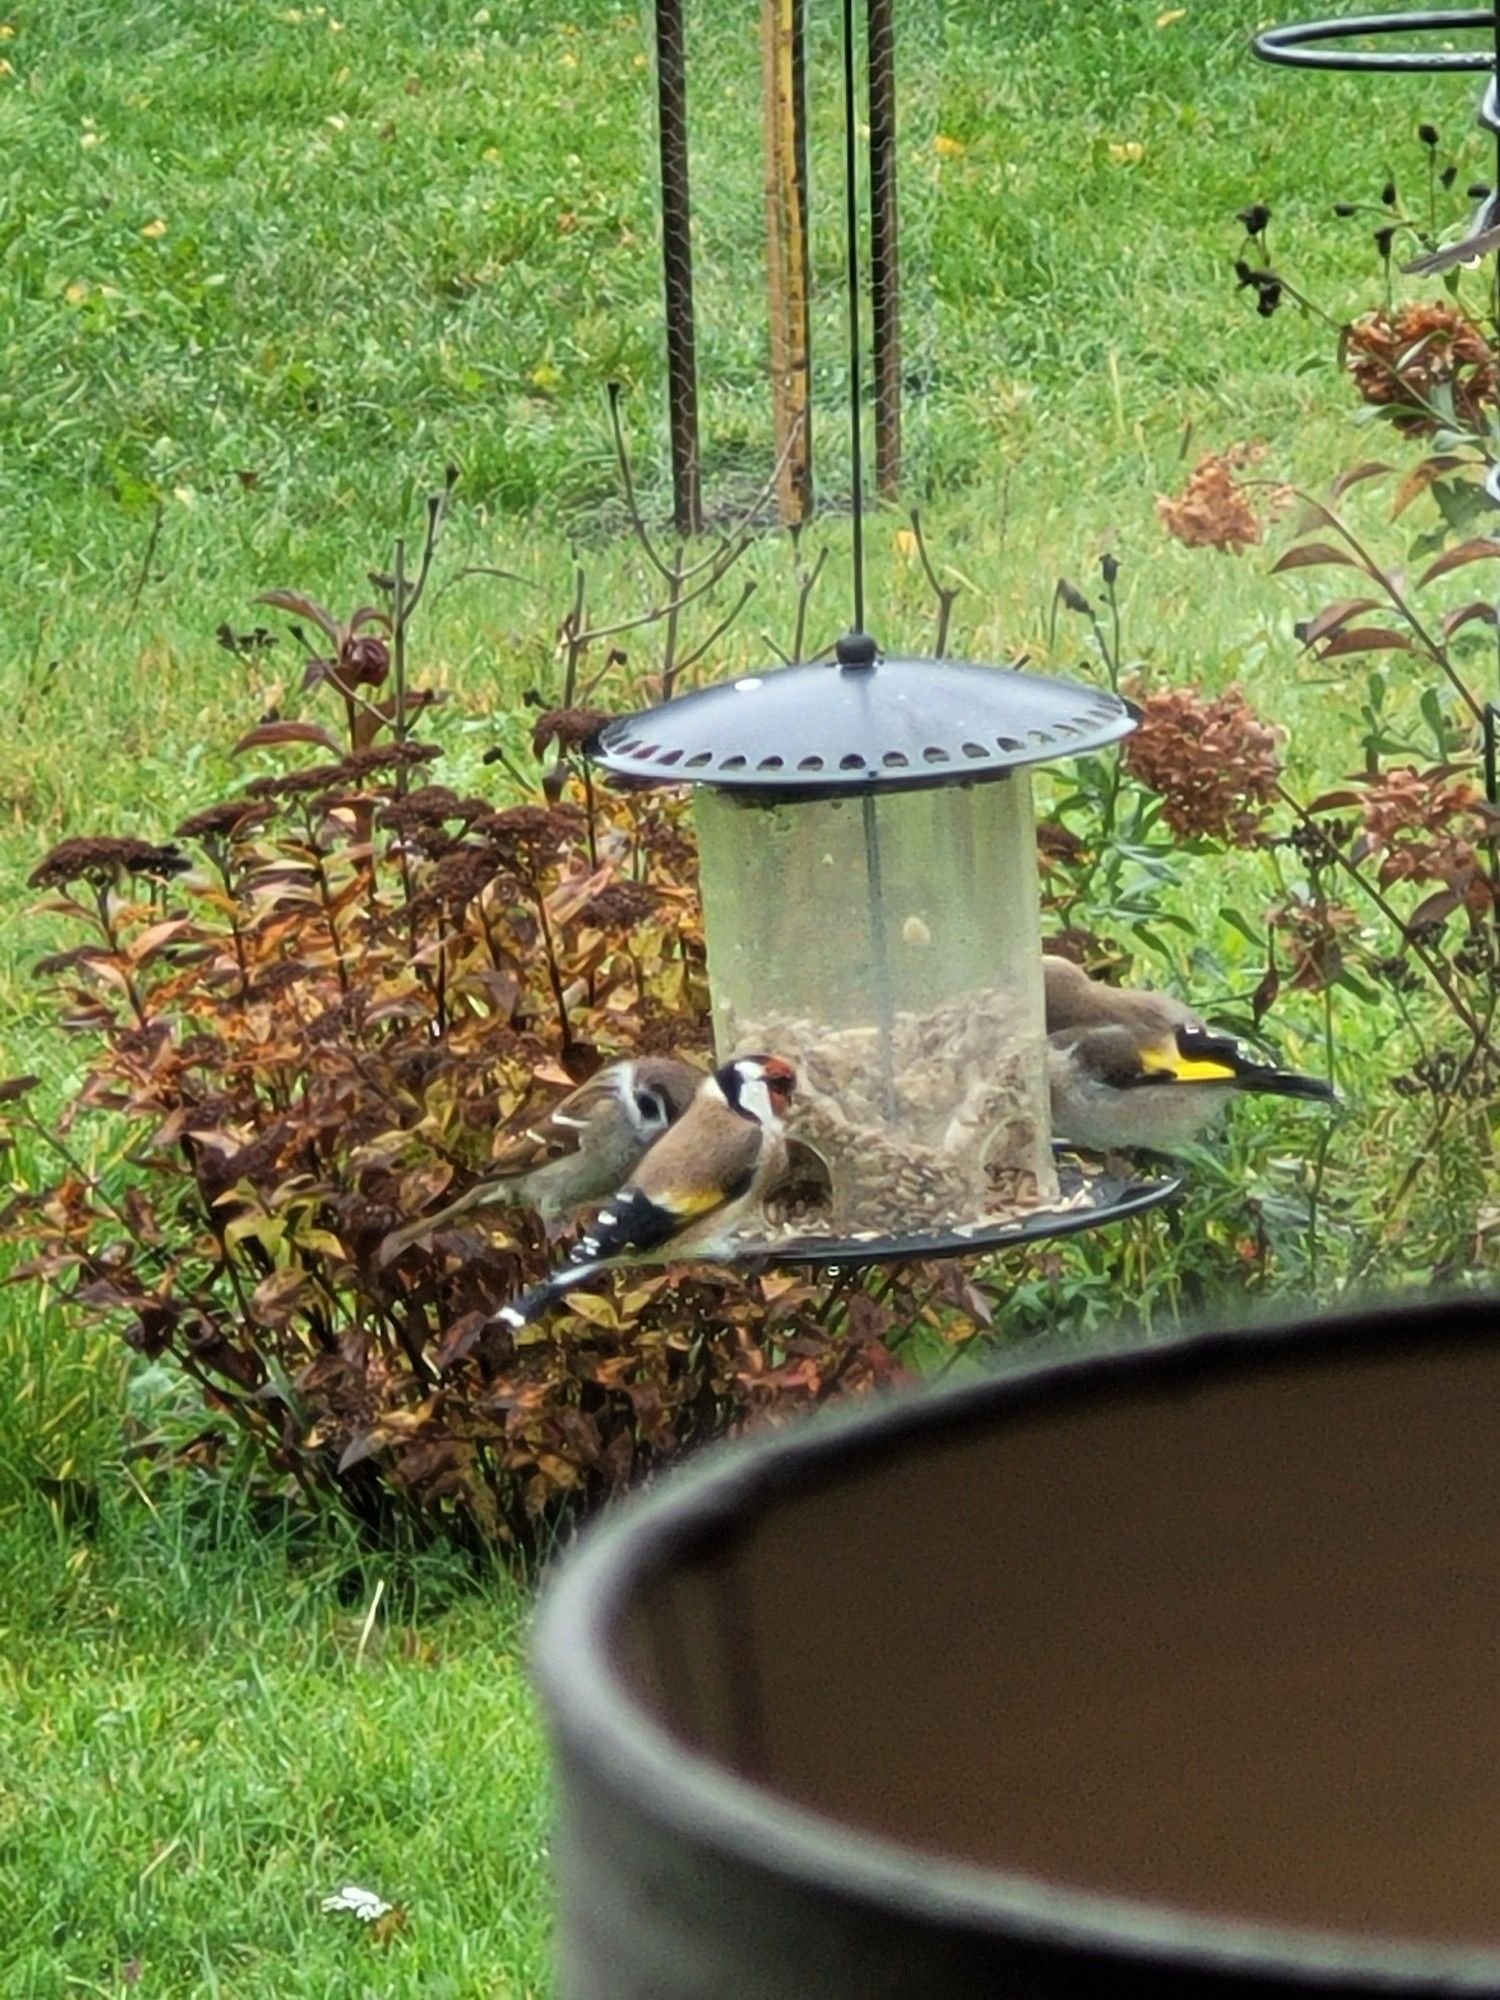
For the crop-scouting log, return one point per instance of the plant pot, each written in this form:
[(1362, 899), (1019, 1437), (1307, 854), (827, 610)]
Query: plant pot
[(1178, 1664)]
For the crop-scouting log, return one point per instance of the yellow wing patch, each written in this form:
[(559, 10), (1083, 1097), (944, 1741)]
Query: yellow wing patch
[(1165, 1059), (690, 1201)]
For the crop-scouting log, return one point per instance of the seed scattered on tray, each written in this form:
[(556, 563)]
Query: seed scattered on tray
[(948, 1129)]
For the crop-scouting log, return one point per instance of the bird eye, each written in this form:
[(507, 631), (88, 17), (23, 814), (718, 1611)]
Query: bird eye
[(651, 1107)]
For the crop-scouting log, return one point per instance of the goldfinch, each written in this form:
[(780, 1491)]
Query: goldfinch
[(1130, 1067), (693, 1187), (579, 1153)]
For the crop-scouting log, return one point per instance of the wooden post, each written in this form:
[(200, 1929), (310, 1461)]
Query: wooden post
[(885, 299), (784, 121), (677, 267)]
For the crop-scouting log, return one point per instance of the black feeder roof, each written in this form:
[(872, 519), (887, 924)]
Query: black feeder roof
[(862, 723)]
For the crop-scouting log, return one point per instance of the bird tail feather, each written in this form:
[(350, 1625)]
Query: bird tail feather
[(1285, 1083), (1199, 1052), (532, 1305), (487, 1194)]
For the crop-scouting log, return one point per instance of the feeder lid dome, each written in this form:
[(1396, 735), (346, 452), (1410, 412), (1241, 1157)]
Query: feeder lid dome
[(862, 723)]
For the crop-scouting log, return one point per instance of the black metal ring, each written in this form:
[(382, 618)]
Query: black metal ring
[(1290, 45)]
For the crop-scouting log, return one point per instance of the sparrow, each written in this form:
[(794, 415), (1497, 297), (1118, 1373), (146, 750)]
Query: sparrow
[(1131, 1067), (693, 1187), (578, 1153)]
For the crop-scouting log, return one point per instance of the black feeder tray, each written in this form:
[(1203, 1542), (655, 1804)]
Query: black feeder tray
[(868, 867)]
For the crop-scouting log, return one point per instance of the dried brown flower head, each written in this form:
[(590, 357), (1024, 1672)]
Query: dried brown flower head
[(530, 830), (462, 875), (621, 905), (103, 861), (1407, 359), (568, 728), (234, 816), (1213, 511), (1212, 761), (1423, 825), (349, 772), (1314, 934), (432, 807)]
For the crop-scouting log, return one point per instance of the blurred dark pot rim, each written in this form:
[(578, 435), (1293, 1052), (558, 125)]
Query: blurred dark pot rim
[(594, 1714)]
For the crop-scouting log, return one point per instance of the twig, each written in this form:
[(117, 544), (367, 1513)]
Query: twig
[(398, 636), (804, 594), (554, 977), (437, 512), (946, 594), (738, 532), (747, 591), (627, 481), (573, 626), (481, 569), (144, 573)]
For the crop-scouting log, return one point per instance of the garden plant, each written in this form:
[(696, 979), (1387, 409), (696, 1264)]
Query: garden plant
[(324, 899)]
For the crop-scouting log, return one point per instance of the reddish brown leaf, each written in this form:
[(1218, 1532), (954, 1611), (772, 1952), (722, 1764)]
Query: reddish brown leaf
[(149, 942), (1263, 999), (277, 1297), (303, 607), (369, 614), (1433, 909), (1466, 614), (1332, 617), (1371, 469), (268, 734), (1327, 801), (1366, 639), (1313, 555), (1421, 477), (1479, 549), (460, 1339)]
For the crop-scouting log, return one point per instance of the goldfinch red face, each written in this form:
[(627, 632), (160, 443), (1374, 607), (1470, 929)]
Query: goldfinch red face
[(780, 1080), (758, 1087)]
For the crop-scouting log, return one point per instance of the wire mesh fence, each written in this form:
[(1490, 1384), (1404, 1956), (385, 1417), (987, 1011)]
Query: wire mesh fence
[(749, 146)]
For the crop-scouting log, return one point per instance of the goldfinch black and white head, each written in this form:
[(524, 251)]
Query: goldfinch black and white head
[(580, 1152), (695, 1186), (1131, 1067)]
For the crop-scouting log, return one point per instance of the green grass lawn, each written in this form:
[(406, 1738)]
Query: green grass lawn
[(210, 1729), (264, 271), (267, 269)]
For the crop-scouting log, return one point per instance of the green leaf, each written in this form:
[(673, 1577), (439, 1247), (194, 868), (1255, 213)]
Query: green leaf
[(1243, 926), (1431, 705)]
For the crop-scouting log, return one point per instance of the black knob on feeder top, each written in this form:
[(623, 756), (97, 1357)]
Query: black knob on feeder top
[(856, 649)]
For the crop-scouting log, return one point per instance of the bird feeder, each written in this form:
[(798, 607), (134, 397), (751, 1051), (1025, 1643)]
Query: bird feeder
[(868, 867), (867, 856)]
